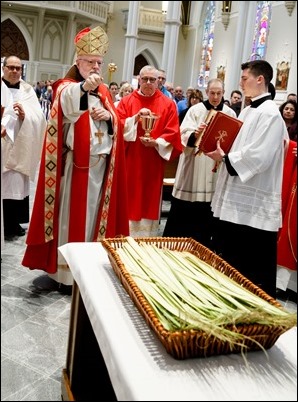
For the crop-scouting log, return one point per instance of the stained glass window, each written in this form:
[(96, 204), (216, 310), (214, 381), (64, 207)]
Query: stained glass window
[(207, 45), (261, 30)]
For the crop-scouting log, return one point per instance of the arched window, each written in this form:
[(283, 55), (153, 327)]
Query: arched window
[(207, 46), (261, 31)]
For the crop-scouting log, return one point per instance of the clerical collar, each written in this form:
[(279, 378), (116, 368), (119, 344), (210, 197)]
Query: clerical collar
[(9, 85), (208, 105), (258, 101)]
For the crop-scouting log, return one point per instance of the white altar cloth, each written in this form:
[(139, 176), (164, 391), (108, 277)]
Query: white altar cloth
[(138, 364)]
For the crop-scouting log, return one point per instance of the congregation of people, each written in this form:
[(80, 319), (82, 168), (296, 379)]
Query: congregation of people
[(100, 172)]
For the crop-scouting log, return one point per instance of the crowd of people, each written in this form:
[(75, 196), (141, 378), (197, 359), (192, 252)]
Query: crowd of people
[(100, 153)]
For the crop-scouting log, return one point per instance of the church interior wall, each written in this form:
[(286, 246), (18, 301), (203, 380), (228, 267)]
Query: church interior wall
[(283, 30), (282, 42), (282, 46), (223, 52)]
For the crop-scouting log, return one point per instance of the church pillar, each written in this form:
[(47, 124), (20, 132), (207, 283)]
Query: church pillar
[(172, 25), (242, 44), (38, 35), (131, 40), (68, 51)]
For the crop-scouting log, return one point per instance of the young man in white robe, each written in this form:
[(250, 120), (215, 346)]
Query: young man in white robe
[(247, 198)]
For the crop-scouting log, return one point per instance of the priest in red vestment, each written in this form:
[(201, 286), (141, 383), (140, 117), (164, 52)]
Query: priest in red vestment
[(287, 237), (81, 192), (146, 155)]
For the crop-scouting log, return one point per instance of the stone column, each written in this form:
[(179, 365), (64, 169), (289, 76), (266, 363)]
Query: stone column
[(69, 51), (131, 40), (172, 25), (242, 43)]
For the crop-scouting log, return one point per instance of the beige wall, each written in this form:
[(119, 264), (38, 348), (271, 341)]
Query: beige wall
[(282, 41)]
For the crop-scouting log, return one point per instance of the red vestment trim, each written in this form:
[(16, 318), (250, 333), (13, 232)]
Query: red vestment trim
[(112, 219), (79, 180)]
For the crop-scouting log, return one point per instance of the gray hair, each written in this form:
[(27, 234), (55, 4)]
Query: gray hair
[(216, 80), (145, 69)]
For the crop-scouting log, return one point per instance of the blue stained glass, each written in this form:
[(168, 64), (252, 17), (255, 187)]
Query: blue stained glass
[(207, 45), (261, 30)]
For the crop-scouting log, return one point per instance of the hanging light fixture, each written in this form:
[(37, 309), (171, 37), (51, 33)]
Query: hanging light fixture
[(225, 13), (290, 5)]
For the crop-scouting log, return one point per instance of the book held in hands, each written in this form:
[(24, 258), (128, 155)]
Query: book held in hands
[(220, 126)]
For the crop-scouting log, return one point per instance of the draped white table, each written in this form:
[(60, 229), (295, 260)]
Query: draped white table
[(139, 367)]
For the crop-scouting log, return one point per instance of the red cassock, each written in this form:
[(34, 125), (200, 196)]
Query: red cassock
[(287, 240), (145, 167), (112, 217)]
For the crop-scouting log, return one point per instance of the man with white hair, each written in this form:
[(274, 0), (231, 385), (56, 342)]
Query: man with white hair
[(81, 193), (146, 156), (190, 214)]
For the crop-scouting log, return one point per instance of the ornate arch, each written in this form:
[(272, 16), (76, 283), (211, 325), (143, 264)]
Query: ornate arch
[(144, 57), (13, 39)]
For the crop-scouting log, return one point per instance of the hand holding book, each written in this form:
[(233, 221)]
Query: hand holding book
[(217, 155), (199, 131), (219, 127)]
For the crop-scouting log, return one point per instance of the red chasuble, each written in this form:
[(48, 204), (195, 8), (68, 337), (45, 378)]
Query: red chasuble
[(112, 217), (145, 167), (287, 241)]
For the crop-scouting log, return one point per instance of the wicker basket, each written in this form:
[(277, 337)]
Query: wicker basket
[(186, 344)]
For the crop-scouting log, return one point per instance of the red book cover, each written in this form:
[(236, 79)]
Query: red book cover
[(220, 126)]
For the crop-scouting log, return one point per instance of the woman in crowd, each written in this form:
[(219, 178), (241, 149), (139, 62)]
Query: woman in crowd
[(125, 90), (288, 111), (195, 97), (287, 239)]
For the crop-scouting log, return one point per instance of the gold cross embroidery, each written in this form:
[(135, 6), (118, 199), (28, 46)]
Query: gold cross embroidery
[(99, 134)]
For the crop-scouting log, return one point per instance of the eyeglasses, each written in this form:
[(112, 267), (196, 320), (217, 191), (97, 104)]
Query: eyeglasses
[(93, 62), (150, 79), (161, 78), (11, 68)]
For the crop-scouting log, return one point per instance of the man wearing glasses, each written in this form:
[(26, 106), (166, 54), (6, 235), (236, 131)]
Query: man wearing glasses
[(161, 83), (146, 156), (22, 155), (81, 192)]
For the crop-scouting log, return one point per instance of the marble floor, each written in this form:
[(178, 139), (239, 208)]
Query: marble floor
[(34, 327)]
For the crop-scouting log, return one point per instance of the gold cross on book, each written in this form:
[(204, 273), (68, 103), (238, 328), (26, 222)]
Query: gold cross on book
[(99, 134)]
